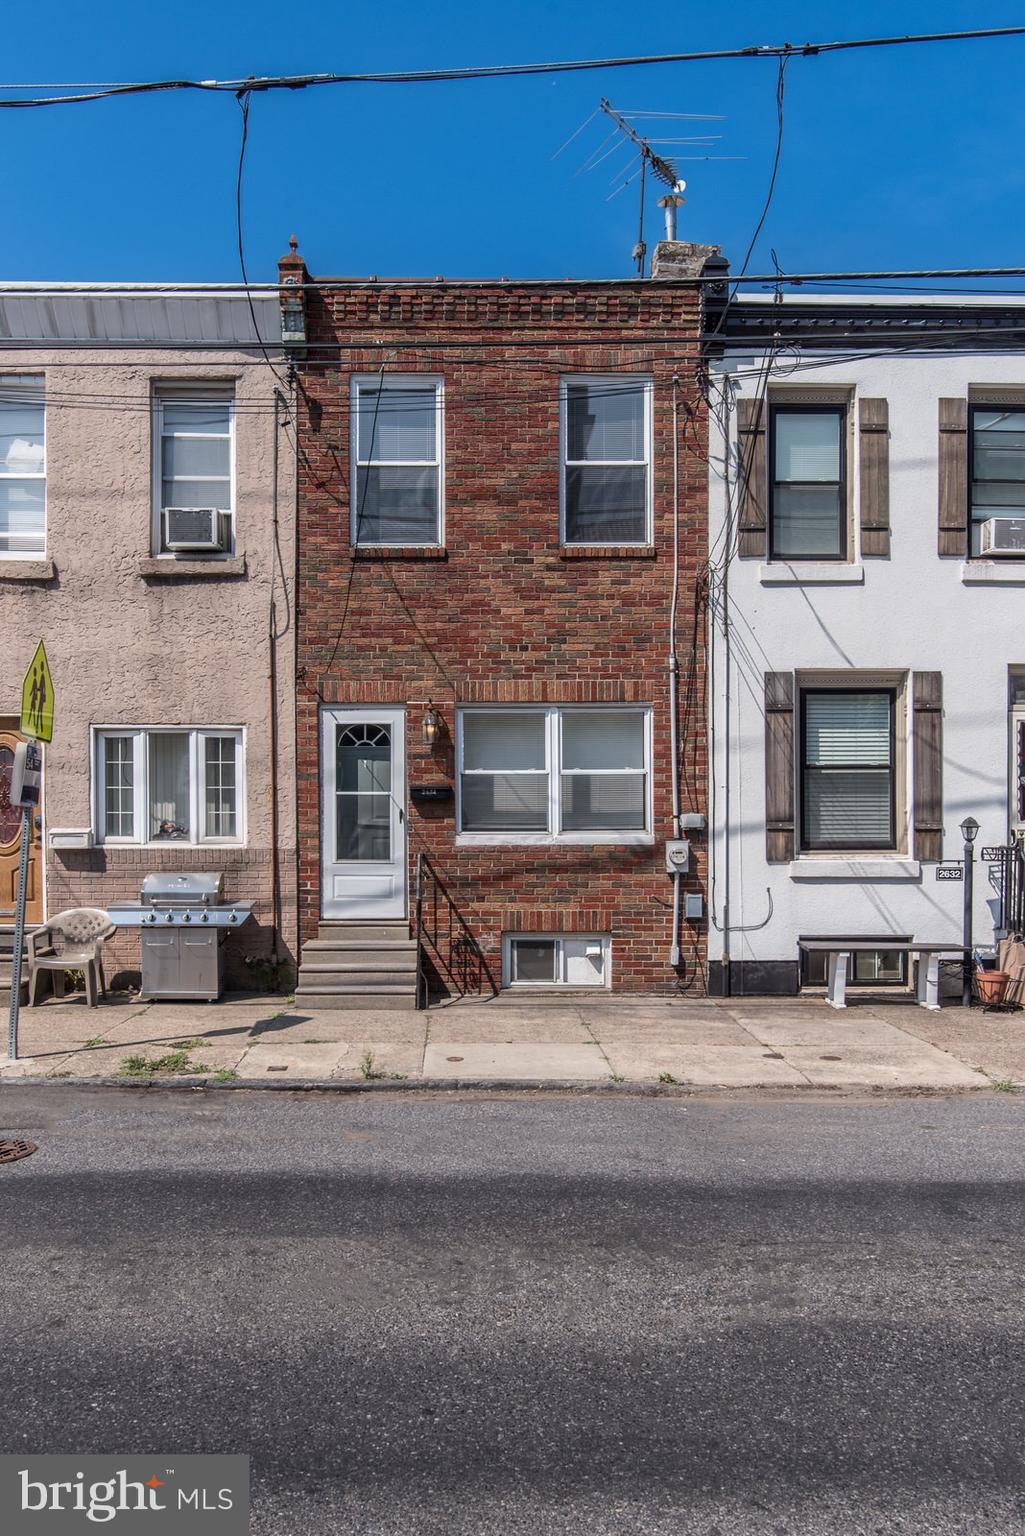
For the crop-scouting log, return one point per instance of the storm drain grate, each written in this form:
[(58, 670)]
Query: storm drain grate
[(11, 1151)]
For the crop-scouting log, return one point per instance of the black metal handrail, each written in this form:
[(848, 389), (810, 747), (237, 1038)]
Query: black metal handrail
[(442, 931), (1012, 889)]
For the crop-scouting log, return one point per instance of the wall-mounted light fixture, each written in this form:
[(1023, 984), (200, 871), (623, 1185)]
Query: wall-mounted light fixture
[(432, 725)]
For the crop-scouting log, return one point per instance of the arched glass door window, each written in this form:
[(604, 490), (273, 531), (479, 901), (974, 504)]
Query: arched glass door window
[(363, 793)]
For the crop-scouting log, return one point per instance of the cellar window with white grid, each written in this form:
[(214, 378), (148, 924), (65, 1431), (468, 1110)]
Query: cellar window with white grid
[(606, 460), (169, 786), (397, 458), (556, 960), (566, 774), (193, 469), (22, 467)]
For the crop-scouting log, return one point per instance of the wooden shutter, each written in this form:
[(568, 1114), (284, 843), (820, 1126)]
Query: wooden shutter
[(779, 767), (752, 527), (928, 755), (953, 474), (874, 455)]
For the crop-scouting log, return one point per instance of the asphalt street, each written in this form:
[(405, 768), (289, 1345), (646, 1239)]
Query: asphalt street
[(547, 1315)]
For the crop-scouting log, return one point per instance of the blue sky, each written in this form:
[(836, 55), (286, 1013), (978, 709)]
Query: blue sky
[(892, 158)]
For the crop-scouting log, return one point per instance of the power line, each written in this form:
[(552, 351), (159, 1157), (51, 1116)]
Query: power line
[(89, 91)]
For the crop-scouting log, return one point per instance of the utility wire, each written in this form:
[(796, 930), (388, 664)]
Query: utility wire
[(101, 92)]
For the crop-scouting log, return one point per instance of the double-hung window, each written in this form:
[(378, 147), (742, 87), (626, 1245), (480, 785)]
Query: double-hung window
[(169, 786), (997, 470), (194, 493), (807, 476), (848, 780), (22, 467), (606, 460), (397, 455), (557, 774)]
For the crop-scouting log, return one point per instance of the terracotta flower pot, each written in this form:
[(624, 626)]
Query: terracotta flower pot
[(992, 985)]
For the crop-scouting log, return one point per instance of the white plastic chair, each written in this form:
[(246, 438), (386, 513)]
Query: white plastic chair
[(71, 941)]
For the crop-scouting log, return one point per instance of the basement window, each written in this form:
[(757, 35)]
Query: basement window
[(557, 960)]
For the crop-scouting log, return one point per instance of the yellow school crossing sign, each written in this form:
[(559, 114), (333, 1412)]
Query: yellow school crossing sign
[(37, 698)]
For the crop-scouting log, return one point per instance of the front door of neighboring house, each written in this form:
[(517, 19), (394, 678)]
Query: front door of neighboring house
[(10, 841), (363, 825)]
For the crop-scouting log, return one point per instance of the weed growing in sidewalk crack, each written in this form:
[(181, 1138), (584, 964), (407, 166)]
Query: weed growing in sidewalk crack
[(666, 1077), (195, 1044), (225, 1075), (372, 1072), (160, 1066), (1005, 1085), (95, 1043)]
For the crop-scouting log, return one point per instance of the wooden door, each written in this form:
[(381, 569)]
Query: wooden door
[(10, 842)]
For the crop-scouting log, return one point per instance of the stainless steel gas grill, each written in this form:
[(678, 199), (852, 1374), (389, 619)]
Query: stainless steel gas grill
[(183, 921)]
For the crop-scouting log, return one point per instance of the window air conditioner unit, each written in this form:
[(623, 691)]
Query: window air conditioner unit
[(196, 528), (1003, 536)]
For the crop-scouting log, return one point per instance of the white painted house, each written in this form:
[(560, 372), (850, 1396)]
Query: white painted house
[(866, 625)]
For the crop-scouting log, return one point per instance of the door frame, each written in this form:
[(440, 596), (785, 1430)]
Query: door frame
[(330, 716)]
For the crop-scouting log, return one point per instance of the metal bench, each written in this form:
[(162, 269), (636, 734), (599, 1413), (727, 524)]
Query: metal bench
[(839, 952)]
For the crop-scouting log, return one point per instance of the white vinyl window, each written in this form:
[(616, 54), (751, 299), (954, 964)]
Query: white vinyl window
[(606, 460), (169, 786), (557, 960), (22, 467), (579, 775), (193, 468), (397, 457)]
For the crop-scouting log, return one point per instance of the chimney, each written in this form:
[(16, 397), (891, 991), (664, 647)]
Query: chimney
[(292, 277), (678, 259)]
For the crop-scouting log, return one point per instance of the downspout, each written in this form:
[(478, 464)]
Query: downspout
[(727, 987), (273, 683), (674, 668)]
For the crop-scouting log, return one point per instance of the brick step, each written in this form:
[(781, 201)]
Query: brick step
[(339, 996)]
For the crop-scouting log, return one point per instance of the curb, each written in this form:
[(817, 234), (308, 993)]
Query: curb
[(353, 1087)]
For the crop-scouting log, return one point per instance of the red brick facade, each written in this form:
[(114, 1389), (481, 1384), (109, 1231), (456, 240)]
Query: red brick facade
[(505, 614)]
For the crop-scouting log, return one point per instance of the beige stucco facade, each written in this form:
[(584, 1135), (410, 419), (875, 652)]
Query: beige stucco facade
[(134, 640)]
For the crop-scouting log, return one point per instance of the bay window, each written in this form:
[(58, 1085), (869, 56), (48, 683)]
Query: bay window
[(555, 774), (169, 786)]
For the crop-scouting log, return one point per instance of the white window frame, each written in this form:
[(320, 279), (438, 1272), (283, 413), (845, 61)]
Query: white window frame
[(558, 939), (397, 381), (647, 386), (191, 389), (553, 767), (35, 383), (140, 736)]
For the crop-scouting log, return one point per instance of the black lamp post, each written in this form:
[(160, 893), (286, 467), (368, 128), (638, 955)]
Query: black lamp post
[(969, 831)]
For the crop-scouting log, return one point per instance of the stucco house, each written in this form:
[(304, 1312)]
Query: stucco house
[(147, 464), (867, 660)]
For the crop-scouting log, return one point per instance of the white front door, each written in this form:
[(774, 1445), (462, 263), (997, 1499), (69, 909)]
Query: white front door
[(363, 829)]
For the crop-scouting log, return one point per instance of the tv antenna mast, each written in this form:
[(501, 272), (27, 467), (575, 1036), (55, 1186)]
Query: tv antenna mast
[(662, 169)]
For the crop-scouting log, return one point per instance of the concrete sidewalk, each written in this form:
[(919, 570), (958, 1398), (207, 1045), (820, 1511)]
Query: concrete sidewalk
[(730, 1043)]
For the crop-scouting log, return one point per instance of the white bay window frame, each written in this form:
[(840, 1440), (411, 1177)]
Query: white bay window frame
[(177, 392), (140, 738), (553, 770), (395, 382), (611, 381)]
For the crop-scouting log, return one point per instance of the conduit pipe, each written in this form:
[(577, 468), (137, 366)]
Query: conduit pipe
[(674, 668)]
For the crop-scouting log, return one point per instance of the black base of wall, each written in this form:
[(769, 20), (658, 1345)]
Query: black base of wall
[(755, 978)]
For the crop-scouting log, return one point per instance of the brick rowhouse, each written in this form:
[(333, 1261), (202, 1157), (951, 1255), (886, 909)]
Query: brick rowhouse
[(504, 613)]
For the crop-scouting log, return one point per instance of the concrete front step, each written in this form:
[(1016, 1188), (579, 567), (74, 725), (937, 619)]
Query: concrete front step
[(385, 932), (354, 998), (349, 976)]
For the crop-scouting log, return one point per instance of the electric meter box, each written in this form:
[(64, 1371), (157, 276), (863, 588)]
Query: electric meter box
[(678, 856), (26, 774)]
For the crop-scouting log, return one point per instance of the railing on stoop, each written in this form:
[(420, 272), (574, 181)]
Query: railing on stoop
[(442, 933), (1011, 869)]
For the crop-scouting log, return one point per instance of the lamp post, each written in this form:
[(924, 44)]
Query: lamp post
[(969, 831)]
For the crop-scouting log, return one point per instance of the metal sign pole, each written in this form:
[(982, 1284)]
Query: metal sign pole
[(19, 934)]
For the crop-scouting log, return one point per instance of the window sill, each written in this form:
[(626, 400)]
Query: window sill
[(546, 840), (399, 552), (170, 568), (993, 573), (867, 867), (811, 573), (607, 552), (27, 570)]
